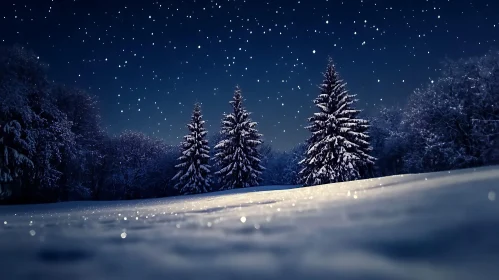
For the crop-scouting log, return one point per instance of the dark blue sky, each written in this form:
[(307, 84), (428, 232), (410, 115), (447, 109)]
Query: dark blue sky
[(149, 61)]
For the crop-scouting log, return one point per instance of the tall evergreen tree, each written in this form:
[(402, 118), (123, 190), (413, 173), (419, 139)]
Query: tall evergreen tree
[(238, 156), (193, 176), (338, 149)]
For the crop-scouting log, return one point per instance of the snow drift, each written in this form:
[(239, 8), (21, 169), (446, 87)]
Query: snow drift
[(426, 226)]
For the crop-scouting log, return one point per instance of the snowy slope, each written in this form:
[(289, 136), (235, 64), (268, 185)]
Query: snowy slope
[(427, 226)]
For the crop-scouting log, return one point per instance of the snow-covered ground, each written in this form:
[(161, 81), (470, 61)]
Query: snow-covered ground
[(427, 226)]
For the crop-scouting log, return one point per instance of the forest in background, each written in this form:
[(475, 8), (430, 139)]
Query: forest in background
[(54, 148)]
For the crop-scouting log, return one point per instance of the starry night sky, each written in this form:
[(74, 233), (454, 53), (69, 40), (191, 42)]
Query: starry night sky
[(150, 61)]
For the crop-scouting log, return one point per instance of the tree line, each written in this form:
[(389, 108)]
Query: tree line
[(452, 123), (53, 147)]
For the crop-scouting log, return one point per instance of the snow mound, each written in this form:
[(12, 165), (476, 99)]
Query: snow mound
[(426, 226)]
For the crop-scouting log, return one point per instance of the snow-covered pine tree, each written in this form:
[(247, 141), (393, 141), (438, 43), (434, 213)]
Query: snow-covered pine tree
[(338, 149), (237, 154), (194, 169)]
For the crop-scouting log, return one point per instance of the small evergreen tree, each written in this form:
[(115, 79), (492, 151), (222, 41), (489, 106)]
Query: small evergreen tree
[(238, 156), (193, 176), (338, 149)]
